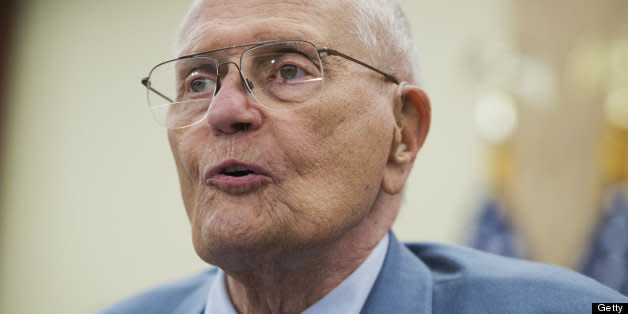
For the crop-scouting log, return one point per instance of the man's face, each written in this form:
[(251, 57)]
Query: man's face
[(321, 163)]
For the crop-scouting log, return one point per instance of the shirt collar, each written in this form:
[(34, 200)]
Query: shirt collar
[(348, 297)]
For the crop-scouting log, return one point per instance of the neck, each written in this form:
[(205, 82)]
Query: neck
[(291, 284)]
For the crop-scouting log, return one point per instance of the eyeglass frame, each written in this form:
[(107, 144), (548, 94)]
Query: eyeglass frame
[(332, 52)]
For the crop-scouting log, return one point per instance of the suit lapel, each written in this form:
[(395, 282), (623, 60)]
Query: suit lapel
[(404, 284)]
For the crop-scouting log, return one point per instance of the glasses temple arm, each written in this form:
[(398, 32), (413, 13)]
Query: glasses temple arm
[(146, 83), (340, 54)]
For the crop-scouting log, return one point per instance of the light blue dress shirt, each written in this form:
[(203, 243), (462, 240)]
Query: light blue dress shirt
[(348, 297)]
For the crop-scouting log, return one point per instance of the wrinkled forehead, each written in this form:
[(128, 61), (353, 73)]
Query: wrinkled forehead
[(212, 24)]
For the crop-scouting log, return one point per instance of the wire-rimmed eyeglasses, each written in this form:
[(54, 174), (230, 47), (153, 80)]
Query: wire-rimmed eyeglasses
[(279, 74)]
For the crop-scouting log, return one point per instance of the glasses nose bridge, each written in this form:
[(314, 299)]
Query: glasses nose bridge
[(223, 71)]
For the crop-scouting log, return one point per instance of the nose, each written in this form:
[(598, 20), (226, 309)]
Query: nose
[(231, 110)]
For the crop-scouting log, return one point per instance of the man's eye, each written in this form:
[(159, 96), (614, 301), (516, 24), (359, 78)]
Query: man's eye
[(290, 72), (200, 85)]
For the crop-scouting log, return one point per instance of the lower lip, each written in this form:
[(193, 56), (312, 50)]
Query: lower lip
[(238, 185)]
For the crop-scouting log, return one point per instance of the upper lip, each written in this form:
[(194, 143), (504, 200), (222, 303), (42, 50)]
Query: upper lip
[(216, 170)]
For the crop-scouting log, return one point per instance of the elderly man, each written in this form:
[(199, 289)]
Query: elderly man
[(294, 131)]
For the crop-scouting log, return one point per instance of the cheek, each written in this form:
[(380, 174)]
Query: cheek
[(187, 151), (337, 152), (187, 148), (350, 134)]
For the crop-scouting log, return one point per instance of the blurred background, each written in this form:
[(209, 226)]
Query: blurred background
[(527, 155)]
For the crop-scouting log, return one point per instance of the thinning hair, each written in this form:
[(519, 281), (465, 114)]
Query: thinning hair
[(384, 31)]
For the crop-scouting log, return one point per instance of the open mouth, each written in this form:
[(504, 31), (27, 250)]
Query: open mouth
[(233, 169), (237, 171), (236, 178)]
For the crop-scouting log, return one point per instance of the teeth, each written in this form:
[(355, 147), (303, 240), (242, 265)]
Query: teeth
[(236, 168)]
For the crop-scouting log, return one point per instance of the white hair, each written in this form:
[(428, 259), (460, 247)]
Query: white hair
[(383, 29)]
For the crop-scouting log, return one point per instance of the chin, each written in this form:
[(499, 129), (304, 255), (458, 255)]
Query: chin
[(234, 247), (229, 241)]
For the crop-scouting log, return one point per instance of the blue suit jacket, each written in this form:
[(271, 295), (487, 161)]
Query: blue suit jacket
[(425, 278)]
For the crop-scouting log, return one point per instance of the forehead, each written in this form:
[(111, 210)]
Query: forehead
[(221, 23)]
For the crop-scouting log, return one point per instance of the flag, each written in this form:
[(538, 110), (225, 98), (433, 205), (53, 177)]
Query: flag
[(494, 233), (607, 258)]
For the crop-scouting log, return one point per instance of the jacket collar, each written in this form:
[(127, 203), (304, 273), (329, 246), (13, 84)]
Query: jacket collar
[(404, 284)]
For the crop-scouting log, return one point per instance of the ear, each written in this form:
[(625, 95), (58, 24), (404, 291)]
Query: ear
[(413, 115)]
